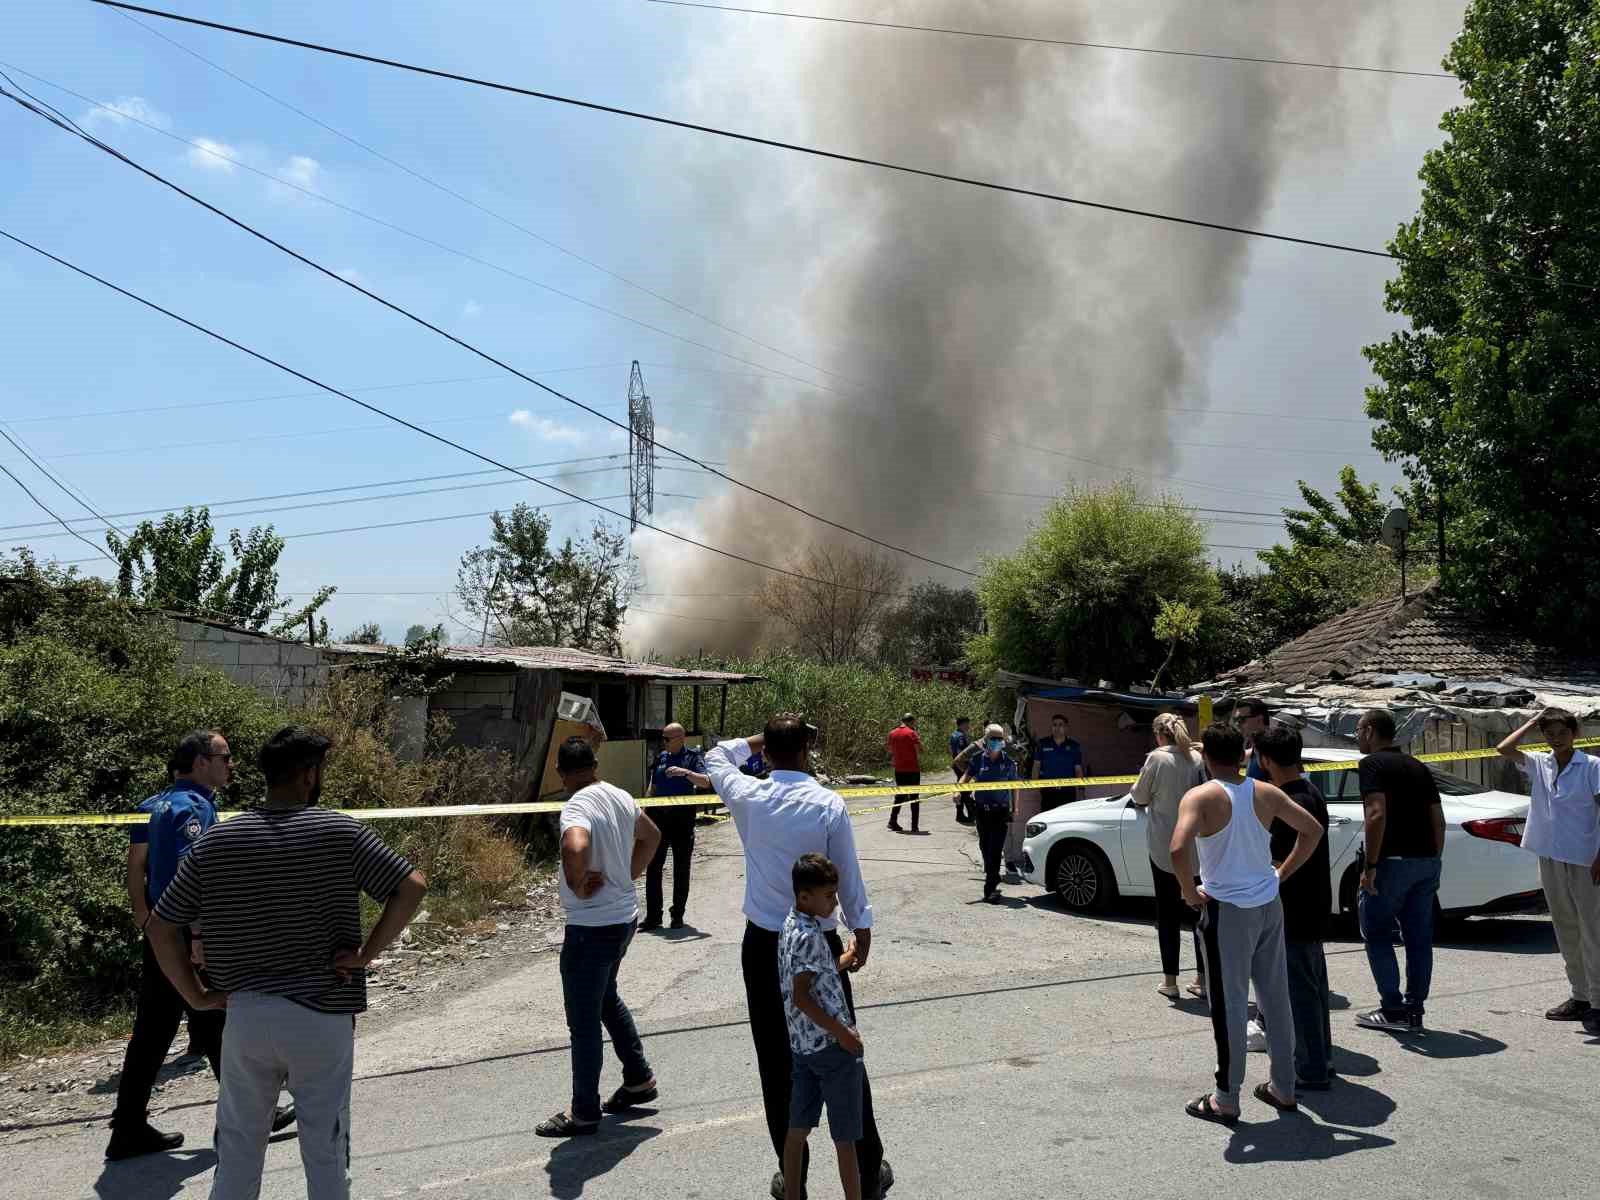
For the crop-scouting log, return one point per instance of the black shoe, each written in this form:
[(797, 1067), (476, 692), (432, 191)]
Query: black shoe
[(885, 1182), (893, 828), (141, 1139), (282, 1118), (679, 923), (649, 923), (1569, 1010), (1591, 1024), (777, 1187), (563, 1126), (626, 1099), (1382, 1018), (1414, 1020)]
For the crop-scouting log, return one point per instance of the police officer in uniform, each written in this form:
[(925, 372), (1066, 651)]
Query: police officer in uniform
[(679, 771)]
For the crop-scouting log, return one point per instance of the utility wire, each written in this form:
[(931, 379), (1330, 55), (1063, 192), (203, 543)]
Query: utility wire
[(1044, 41), (354, 487), (101, 550), (487, 357), (488, 212), (71, 493), (424, 239), (256, 354), (833, 155)]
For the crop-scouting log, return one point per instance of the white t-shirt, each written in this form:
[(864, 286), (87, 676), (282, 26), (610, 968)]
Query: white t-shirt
[(1563, 816), (609, 814)]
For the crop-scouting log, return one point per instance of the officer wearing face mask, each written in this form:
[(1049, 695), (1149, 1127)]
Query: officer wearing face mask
[(996, 808)]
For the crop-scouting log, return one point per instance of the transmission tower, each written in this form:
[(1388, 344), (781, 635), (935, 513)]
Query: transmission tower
[(641, 450)]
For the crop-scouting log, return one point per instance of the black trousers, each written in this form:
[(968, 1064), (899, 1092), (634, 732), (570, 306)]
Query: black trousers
[(905, 778), (770, 1032), (1308, 1000), (154, 1027), (677, 835), (1173, 916), (993, 825), (964, 808)]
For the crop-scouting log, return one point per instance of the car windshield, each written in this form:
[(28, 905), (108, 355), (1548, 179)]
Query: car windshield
[(1454, 785)]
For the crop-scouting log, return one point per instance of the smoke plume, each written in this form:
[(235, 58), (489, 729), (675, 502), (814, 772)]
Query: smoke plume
[(977, 342)]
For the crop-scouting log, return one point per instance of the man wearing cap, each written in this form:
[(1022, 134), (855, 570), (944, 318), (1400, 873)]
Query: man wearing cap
[(905, 753)]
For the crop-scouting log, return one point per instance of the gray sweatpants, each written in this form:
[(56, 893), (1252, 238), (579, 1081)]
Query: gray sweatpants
[(1241, 945), (269, 1042)]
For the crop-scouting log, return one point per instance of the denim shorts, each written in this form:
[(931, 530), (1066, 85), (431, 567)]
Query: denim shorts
[(834, 1075)]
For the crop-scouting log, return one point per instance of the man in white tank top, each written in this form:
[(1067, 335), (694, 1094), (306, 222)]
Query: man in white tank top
[(1227, 821)]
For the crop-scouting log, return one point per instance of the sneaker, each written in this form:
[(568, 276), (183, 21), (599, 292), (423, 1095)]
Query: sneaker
[(1380, 1018), (1255, 1041), (1591, 1024), (885, 1182), (777, 1187), (649, 923), (1569, 1010), (138, 1140), (282, 1118), (1414, 1020)]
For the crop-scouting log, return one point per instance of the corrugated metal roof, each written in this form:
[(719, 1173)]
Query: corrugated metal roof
[(561, 658)]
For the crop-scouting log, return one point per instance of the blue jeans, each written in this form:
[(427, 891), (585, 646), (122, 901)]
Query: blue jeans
[(1406, 891), (591, 956)]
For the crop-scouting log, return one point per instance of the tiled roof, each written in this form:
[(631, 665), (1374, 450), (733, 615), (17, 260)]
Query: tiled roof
[(1422, 634), (560, 658)]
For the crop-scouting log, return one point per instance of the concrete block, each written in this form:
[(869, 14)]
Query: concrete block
[(292, 655), (217, 654), (256, 654)]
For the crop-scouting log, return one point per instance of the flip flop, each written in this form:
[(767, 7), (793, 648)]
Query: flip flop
[(1264, 1094), (1195, 990), (1205, 1110), (626, 1099), (1170, 991)]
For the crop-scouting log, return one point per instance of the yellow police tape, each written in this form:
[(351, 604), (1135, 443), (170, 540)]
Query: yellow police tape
[(847, 793)]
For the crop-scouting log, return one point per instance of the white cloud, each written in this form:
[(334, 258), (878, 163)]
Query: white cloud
[(471, 309), (119, 112), (301, 171), (205, 154), (544, 428)]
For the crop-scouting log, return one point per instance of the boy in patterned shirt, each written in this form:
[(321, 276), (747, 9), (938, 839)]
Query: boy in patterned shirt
[(826, 1047)]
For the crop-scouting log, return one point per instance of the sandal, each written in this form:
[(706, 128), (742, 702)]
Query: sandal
[(1195, 990), (1169, 990), (562, 1126), (624, 1099), (1264, 1094), (1206, 1110)]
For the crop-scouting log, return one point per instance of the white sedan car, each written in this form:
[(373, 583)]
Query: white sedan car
[(1091, 851)]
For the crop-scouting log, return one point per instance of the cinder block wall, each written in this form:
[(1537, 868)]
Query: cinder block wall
[(482, 708), (288, 672)]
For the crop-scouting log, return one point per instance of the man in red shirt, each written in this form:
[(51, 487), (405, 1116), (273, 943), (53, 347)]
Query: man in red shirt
[(905, 752)]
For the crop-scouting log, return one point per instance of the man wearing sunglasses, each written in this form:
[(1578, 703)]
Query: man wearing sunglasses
[(200, 766)]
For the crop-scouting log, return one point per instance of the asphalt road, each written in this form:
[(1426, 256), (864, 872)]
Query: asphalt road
[(1015, 1051)]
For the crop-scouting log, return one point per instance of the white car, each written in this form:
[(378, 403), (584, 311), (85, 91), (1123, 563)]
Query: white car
[(1091, 851)]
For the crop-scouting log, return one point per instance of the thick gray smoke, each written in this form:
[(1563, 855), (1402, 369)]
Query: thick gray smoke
[(961, 324)]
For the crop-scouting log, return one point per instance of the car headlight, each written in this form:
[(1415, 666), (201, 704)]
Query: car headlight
[(1035, 828)]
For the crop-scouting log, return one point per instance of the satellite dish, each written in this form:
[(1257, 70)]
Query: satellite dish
[(1395, 527)]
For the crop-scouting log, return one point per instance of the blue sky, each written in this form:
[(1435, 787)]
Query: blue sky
[(644, 202)]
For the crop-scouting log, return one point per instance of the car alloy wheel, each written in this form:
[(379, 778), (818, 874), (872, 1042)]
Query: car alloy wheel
[(1080, 880)]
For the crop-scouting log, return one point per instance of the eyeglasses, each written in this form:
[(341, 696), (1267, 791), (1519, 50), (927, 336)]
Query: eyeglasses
[(227, 758)]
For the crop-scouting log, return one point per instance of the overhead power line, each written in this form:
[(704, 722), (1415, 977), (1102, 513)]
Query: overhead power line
[(833, 155), (100, 550), (440, 438), (1047, 41), (69, 127), (422, 178)]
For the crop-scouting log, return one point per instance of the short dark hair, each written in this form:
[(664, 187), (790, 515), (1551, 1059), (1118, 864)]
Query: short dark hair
[(1054, 717), (787, 735), (1254, 706), (1558, 716), (575, 754), (813, 871), (192, 745), (960, 721), (1222, 743), (1381, 722), (1281, 745), (293, 749)]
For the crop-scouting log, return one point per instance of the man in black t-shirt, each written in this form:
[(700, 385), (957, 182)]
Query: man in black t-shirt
[(1307, 898), (1404, 839)]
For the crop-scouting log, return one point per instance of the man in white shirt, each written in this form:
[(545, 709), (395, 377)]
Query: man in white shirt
[(780, 818), (606, 843), (1563, 829)]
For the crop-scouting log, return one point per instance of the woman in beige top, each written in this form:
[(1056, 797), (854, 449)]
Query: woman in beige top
[(1169, 771)]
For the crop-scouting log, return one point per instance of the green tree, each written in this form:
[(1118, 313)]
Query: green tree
[(178, 566), (1080, 596), (931, 626), (1490, 398), (521, 591), (369, 633), (1333, 560), (416, 634)]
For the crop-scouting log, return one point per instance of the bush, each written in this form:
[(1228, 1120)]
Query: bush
[(854, 705), (91, 704)]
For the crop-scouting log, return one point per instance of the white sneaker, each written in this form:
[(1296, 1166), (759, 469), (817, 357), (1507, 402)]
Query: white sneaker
[(1255, 1041)]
